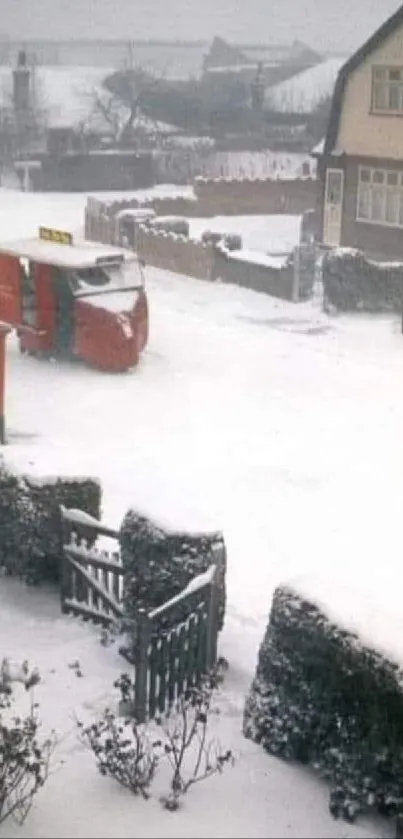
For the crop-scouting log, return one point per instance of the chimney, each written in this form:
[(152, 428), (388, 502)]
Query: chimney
[(21, 84)]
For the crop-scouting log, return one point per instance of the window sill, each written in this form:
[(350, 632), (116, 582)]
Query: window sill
[(386, 224), (375, 113)]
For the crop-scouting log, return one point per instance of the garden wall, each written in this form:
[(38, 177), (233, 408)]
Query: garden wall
[(223, 196), (268, 196), (175, 253), (181, 255), (245, 271)]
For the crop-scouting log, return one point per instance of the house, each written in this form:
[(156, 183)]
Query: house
[(360, 165)]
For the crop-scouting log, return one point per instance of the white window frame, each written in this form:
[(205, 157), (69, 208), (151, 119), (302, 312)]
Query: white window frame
[(371, 184), (388, 84)]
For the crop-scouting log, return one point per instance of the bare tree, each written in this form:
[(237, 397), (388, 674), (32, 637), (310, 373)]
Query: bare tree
[(120, 103)]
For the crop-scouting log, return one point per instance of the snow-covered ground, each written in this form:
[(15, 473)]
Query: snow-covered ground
[(267, 419)]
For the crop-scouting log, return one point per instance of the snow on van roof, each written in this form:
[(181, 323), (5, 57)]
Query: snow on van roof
[(83, 254)]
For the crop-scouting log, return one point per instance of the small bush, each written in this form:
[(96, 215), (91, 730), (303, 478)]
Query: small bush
[(47, 496), (233, 242), (170, 224), (131, 753), (30, 523), (123, 751), (353, 283), (24, 760), (18, 533), (210, 237), (193, 754), (322, 698), (159, 564)]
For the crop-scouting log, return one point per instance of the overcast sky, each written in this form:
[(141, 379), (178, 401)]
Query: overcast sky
[(325, 24)]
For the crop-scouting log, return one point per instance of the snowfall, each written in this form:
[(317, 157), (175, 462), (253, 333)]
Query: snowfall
[(272, 421)]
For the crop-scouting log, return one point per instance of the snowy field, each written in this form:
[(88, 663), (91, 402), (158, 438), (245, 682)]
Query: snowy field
[(266, 419)]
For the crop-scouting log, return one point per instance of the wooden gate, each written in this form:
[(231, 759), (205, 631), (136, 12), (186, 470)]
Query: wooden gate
[(91, 581), (166, 662), (169, 662)]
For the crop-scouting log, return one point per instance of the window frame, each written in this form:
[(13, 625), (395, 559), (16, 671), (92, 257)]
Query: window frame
[(370, 184), (388, 84)]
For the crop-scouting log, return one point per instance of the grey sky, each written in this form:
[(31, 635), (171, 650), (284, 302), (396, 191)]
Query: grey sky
[(326, 24)]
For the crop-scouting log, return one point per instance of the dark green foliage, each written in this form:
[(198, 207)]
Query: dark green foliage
[(29, 521), (77, 493), (17, 524), (159, 564), (320, 697), (353, 283)]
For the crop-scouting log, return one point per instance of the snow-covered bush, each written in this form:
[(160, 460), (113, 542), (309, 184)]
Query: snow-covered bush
[(159, 564), (170, 224), (123, 751), (212, 237), (30, 521), (323, 697), (131, 753), (351, 282), (17, 525), (193, 754), (47, 496), (24, 759), (233, 242)]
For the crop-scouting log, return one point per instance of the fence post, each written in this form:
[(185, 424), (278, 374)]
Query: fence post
[(141, 666), (64, 576), (212, 622), (296, 277)]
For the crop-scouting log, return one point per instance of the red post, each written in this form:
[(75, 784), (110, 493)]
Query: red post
[(4, 330)]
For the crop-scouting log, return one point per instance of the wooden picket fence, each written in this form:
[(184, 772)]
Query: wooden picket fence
[(166, 661)]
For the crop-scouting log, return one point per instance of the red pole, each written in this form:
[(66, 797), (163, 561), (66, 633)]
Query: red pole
[(4, 330)]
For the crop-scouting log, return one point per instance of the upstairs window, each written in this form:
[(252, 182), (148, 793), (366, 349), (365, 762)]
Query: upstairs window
[(387, 90)]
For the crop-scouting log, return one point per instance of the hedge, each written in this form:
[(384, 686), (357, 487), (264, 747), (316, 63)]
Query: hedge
[(29, 521), (159, 563), (351, 282), (320, 696)]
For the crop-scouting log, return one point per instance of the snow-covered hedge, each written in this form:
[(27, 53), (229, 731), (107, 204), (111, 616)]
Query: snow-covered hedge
[(352, 282), (323, 695), (30, 524), (159, 563)]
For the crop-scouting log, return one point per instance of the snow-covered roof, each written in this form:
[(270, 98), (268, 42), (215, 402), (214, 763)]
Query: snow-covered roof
[(64, 94), (319, 148), (82, 255), (304, 92)]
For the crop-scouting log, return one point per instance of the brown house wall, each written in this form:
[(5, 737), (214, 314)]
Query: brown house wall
[(375, 240)]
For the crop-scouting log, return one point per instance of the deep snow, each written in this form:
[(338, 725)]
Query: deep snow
[(267, 419)]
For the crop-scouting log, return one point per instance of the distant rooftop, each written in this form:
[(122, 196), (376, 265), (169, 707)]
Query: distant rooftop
[(175, 60)]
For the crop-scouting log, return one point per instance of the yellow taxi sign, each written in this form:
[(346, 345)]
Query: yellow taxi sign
[(47, 234)]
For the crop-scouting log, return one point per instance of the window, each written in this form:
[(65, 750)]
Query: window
[(387, 90), (380, 196)]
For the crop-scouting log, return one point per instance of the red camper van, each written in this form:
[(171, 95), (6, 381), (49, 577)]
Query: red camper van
[(79, 299)]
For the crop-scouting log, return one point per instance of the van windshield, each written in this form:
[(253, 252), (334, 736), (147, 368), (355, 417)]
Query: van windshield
[(106, 277)]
